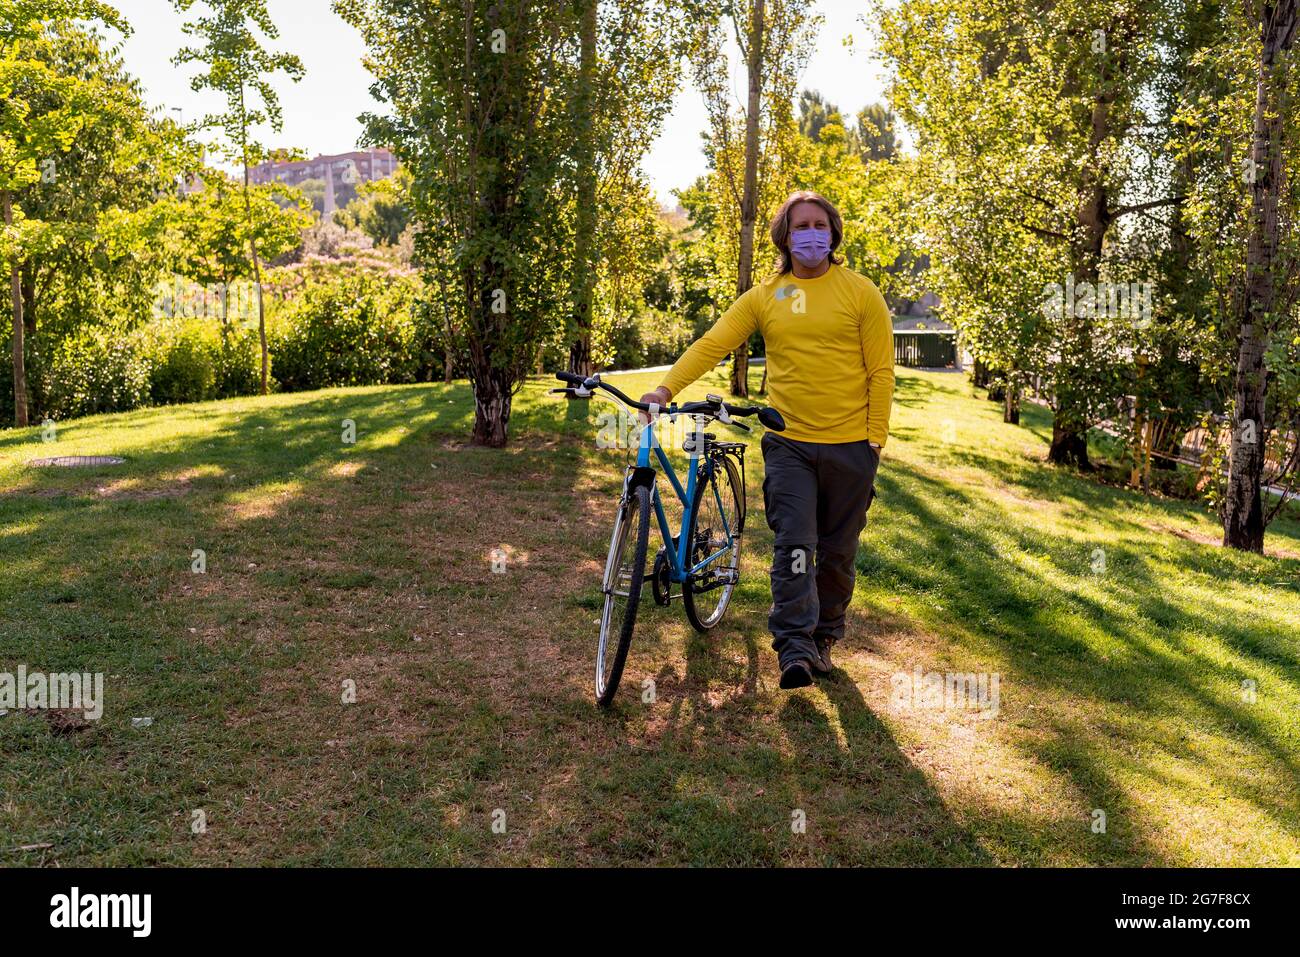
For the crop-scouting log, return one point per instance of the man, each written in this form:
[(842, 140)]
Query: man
[(830, 372)]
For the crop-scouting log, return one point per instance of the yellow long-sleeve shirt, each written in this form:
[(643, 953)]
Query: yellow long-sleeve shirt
[(830, 353)]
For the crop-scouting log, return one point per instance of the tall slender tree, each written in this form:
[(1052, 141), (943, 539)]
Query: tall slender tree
[(627, 71), (477, 112), (1266, 299), (585, 266), (774, 38), (240, 68)]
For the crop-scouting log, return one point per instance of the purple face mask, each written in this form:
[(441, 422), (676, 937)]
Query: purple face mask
[(810, 246)]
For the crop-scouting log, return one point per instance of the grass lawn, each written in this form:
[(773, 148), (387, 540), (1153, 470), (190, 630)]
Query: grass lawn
[(1121, 690)]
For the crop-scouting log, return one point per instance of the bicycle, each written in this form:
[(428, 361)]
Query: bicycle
[(703, 559)]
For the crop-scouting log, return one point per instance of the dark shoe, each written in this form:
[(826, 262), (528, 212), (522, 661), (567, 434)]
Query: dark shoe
[(821, 663), (797, 674)]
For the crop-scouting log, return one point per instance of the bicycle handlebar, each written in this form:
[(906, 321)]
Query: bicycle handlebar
[(714, 406)]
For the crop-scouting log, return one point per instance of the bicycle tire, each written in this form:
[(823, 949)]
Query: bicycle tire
[(724, 465), (634, 509)]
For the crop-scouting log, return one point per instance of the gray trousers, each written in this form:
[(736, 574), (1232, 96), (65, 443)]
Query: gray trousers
[(816, 496)]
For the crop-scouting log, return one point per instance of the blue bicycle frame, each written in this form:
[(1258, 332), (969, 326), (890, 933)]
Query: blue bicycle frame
[(678, 570)]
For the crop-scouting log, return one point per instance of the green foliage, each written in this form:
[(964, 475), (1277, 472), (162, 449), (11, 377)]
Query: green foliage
[(1034, 133), (193, 360), (381, 209), (652, 337), (871, 140), (238, 66), (104, 202), (96, 370), (484, 134), (874, 138), (182, 368), (216, 224), (359, 330), (80, 158)]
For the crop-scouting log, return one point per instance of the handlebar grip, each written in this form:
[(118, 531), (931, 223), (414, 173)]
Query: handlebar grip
[(570, 377)]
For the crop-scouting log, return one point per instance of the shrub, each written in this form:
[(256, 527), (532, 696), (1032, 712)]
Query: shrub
[(96, 370), (354, 330), (181, 366), (238, 363), (653, 337), (191, 360)]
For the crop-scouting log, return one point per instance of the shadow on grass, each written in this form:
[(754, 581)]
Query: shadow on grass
[(327, 557), (1122, 643)]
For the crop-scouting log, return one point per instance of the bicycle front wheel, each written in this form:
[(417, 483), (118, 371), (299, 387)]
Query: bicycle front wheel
[(624, 576), (717, 523)]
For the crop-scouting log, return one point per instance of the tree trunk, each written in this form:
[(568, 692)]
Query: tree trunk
[(1243, 511), (225, 308), (740, 371), (492, 400), (1069, 446), (1137, 475), (28, 286), (749, 198), (1011, 404), (1092, 219), (261, 317), (584, 287), (580, 353), (20, 369), (252, 249)]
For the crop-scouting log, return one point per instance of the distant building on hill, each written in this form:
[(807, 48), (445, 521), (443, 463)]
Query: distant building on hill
[(341, 173)]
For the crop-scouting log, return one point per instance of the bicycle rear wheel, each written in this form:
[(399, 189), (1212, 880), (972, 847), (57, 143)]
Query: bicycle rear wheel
[(624, 576), (717, 523)]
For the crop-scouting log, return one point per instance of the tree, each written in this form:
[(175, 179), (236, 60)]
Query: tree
[(239, 67), (219, 224), (381, 209), (626, 75), (774, 37), (476, 119), (41, 111), (1043, 109), (1235, 141), (1270, 269), (814, 113), (585, 203), (874, 138), (106, 203)]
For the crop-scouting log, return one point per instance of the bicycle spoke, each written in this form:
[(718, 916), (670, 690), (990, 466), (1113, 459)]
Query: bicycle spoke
[(714, 557)]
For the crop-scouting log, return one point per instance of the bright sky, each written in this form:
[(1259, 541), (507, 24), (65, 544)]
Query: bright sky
[(320, 113)]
